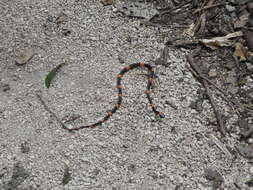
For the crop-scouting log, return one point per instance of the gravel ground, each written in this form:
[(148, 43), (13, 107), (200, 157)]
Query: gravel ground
[(133, 150)]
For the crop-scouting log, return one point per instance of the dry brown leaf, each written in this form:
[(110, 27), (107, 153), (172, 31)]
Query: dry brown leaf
[(240, 51), (107, 2)]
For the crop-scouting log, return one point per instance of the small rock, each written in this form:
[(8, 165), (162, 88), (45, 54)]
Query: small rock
[(230, 8), (249, 140), (251, 170), (24, 57), (212, 73), (171, 103), (114, 10), (121, 59), (214, 176), (197, 105)]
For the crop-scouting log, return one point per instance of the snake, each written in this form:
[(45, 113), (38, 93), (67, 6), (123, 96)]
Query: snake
[(151, 78)]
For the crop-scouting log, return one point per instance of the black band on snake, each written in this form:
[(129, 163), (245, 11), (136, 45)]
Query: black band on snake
[(151, 78)]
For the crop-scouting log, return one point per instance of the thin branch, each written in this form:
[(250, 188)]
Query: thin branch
[(208, 7), (212, 102), (51, 112)]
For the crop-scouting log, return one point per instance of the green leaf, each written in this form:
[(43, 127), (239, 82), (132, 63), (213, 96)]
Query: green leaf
[(52, 74)]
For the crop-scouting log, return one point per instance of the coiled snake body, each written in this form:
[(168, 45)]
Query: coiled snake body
[(151, 78)]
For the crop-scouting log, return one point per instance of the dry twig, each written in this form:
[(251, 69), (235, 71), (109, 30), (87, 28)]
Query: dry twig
[(208, 7), (201, 22), (205, 84), (221, 146), (51, 112)]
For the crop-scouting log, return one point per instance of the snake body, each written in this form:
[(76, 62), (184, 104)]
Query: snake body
[(151, 78)]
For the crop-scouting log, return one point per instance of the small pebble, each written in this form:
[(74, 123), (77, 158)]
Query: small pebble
[(230, 8), (25, 56), (212, 73)]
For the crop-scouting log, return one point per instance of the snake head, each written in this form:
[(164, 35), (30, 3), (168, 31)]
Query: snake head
[(161, 115)]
